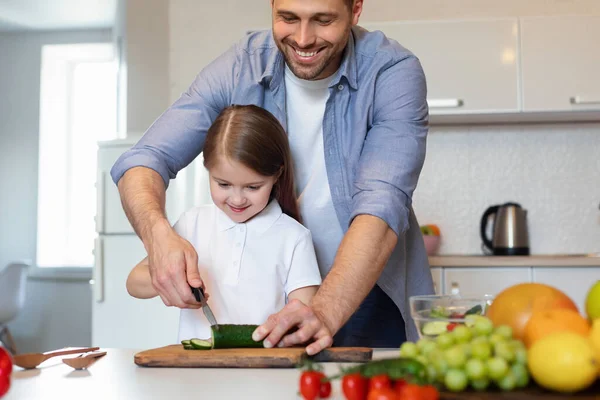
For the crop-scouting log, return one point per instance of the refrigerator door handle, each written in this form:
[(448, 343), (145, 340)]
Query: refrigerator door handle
[(98, 274), (100, 189)]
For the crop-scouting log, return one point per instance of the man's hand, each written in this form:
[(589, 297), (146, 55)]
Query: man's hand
[(295, 314), (173, 264)]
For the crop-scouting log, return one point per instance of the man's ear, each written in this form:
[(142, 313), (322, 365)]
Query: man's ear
[(356, 11)]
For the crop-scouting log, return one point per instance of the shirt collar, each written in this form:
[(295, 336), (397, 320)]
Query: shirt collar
[(259, 223), (274, 70)]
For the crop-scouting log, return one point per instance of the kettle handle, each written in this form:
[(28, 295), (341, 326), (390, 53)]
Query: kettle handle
[(484, 220)]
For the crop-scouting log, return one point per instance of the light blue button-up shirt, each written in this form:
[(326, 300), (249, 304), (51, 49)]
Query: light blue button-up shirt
[(374, 132)]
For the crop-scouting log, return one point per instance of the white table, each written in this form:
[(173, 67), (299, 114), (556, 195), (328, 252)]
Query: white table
[(116, 376)]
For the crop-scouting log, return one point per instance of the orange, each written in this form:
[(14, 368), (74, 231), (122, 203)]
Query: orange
[(542, 323), (435, 229), (514, 305)]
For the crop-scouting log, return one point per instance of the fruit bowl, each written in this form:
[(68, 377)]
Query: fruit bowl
[(436, 314)]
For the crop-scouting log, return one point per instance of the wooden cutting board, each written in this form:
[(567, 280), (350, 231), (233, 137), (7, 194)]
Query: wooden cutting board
[(176, 356)]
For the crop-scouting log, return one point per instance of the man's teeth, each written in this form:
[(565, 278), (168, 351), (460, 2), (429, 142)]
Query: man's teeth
[(304, 54)]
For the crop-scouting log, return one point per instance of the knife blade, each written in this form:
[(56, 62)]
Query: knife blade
[(200, 298)]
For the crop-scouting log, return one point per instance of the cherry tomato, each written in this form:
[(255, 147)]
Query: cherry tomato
[(451, 326), (409, 392), (355, 387), (429, 392), (5, 363), (325, 389), (310, 384), (382, 394), (4, 384), (398, 383), (379, 382)]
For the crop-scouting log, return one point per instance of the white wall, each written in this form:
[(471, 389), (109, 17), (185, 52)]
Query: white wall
[(42, 325), (552, 170)]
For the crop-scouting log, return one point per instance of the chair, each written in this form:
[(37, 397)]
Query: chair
[(12, 297)]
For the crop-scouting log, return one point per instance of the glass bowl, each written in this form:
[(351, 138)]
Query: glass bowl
[(435, 314)]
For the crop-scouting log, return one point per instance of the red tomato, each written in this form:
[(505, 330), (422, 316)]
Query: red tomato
[(409, 392), (325, 389), (379, 382), (382, 394), (310, 384), (4, 384), (451, 326), (355, 387), (5, 363), (429, 392), (398, 383)]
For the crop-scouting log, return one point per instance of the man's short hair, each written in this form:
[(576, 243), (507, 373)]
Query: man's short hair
[(349, 3)]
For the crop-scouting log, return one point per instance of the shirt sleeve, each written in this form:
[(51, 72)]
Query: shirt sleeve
[(394, 150), (303, 270), (177, 136)]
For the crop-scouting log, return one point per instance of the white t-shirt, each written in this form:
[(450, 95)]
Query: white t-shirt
[(248, 268), (305, 106)]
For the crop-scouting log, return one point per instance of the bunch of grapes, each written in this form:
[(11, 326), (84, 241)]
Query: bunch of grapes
[(475, 354)]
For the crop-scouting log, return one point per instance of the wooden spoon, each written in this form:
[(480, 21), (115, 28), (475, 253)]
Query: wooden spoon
[(32, 360), (84, 360)]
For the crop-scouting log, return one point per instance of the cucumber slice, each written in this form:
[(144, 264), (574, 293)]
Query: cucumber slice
[(185, 342), (435, 328), (199, 344), (230, 336), (188, 347)]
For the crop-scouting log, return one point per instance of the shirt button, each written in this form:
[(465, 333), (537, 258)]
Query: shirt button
[(340, 87), (241, 229), (235, 263)]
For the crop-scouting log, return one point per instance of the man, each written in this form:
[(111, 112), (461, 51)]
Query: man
[(354, 106)]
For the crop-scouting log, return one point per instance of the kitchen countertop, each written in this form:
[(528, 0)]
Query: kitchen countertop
[(550, 260), (115, 376)]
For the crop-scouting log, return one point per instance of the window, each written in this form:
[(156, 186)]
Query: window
[(78, 106)]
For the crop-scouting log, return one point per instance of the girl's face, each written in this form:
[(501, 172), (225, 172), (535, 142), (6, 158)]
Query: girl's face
[(238, 190)]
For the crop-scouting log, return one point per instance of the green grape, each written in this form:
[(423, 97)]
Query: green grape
[(521, 356), (504, 350), (521, 375), (409, 350), (495, 338), (497, 367), (456, 380), (504, 331), (507, 382), (480, 339), (444, 340), (432, 374), (455, 357), (475, 369), (481, 350), (483, 326), (422, 343), (516, 344), (461, 334), (422, 359), (428, 348), (480, 384), (441, 366)]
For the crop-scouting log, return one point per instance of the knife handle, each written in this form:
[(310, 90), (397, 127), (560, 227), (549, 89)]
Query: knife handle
[(198, 294)]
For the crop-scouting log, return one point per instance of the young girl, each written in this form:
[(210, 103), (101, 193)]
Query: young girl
[(253, 252)]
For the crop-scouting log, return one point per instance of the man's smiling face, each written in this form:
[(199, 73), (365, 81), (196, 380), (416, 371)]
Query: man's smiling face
[(312, 34)]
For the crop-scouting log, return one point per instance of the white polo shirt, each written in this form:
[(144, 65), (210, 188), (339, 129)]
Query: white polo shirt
[(249, 268)]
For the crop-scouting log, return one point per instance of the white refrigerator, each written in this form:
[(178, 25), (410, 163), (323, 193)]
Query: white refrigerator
[(119, 320)]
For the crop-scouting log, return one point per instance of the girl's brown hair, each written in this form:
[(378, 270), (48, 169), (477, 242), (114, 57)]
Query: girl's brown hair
[(252, 136)]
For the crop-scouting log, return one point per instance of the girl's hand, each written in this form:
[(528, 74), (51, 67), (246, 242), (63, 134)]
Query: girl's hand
[(173, 265)]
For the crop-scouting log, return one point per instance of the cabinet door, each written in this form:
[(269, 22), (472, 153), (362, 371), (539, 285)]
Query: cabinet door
[(190, 188), (480, 281), (436, 274), (470, 66), (561, 63), (119, 320), (574, 282)]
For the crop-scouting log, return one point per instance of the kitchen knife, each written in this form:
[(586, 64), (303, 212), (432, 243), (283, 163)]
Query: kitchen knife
[(200, 298)]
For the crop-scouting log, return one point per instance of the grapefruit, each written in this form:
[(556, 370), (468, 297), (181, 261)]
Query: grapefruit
[(542, 323), (514, 305)]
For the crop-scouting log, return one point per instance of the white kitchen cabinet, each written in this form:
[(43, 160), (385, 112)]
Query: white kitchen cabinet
[(560, 59), (119, 320), (470, 66), (480, 281), (436, 274), (574, 282), (190, 188)]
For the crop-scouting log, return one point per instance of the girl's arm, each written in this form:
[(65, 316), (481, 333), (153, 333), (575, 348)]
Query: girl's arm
[(139, 282), (304, 294)]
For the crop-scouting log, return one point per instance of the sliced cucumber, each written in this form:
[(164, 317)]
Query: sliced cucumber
[(229, 336), (185, 342), (434, 328), (188, 347), (199, 344)]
